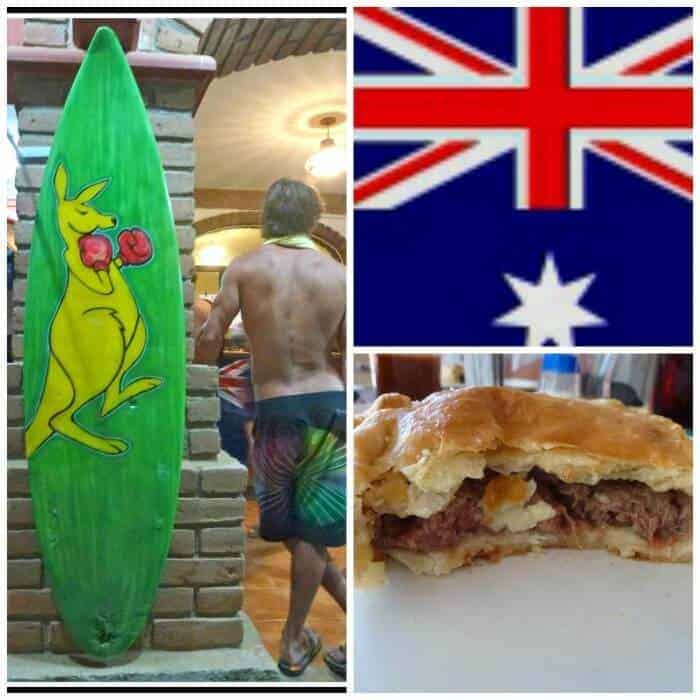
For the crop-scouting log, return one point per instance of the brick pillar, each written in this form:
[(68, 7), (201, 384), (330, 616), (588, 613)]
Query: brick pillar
[(201, 591)]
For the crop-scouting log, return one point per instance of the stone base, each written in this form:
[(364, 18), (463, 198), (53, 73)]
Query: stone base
[(124, 659), (249, 662)]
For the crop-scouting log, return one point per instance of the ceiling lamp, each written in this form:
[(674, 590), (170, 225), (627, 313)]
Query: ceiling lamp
[(329, 160)]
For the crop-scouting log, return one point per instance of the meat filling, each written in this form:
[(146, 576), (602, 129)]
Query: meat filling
[(657, 517)]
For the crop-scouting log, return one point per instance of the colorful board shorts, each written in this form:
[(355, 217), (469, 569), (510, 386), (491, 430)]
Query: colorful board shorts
[(299, 459)]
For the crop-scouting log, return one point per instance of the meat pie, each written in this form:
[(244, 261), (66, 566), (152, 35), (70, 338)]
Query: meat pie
[(482, 473)]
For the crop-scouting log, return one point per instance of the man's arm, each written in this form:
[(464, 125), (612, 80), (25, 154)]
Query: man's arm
[(210, 338)]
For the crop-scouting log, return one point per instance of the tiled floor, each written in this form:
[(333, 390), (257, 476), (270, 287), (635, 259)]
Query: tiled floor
[(267, 598)]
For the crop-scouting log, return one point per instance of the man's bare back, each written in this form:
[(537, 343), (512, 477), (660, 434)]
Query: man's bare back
[(293, 307)]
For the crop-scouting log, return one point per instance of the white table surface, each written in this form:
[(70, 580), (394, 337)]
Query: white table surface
[(557, 621)]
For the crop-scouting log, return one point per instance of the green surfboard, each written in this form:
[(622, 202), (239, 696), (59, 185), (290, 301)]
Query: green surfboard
[(104, 385)]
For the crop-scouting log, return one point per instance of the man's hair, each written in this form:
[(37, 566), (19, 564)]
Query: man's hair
[(290, 207)]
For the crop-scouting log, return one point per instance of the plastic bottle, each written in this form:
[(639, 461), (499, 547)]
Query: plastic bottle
[(560, 376)]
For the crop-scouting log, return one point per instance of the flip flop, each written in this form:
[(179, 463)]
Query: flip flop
[(340, 669), (312, 650)]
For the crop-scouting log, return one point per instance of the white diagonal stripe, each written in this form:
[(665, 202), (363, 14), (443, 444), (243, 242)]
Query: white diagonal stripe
[(658, 151), (432, 177), (618, 62), (415, 53)]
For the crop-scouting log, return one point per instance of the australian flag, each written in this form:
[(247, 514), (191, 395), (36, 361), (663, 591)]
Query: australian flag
[(523, 176)]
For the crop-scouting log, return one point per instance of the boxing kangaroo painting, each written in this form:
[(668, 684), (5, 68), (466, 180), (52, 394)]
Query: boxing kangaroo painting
[(97, 333)]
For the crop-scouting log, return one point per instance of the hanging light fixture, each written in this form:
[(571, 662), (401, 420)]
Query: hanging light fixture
[(329, 160)]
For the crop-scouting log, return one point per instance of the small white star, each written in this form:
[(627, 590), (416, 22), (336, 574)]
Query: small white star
[(550, 309)]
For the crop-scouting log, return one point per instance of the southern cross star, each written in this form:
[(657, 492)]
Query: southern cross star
[(549, 309)]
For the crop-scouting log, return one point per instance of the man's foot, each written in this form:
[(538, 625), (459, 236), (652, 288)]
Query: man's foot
[(297, 655), (336, 660)]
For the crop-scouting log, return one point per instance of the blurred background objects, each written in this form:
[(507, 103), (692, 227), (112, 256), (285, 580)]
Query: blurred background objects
[(653, 382)]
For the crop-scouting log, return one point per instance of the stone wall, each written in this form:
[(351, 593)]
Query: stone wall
[(201, 589)]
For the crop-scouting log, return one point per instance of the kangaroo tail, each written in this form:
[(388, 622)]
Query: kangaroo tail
[(56, 396)]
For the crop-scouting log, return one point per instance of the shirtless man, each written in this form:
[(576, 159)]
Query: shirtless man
[(292, 299)]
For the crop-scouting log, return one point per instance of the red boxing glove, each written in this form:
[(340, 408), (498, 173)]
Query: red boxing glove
[(95, 251), (134, 246)]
